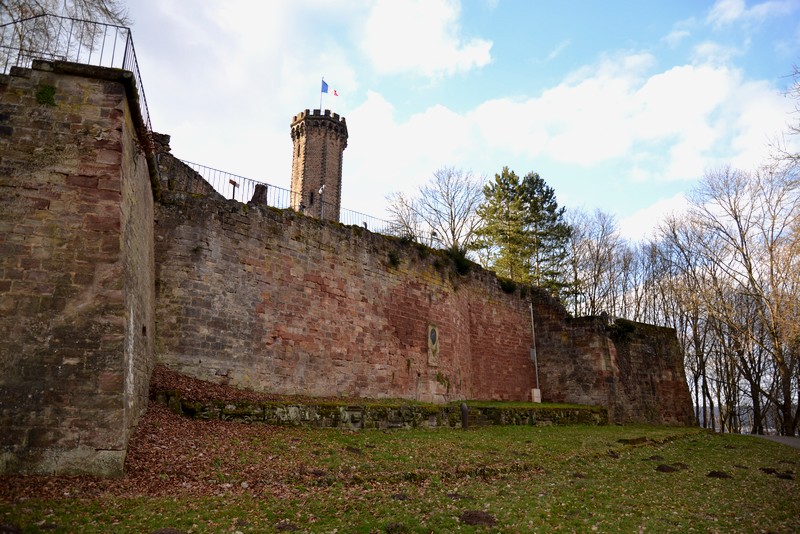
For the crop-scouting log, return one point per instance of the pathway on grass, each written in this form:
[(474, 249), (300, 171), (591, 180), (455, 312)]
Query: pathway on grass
[(786, 440)]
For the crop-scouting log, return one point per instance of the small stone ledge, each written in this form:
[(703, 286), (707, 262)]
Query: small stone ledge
[(64, 462), (381, 414)]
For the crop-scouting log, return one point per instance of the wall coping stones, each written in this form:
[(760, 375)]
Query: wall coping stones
[(382, 415)]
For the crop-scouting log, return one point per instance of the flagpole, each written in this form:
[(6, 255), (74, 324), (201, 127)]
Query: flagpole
[(320, 94)]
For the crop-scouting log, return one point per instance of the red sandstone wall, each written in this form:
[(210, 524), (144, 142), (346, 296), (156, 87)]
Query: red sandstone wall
[(278, 302), (500, 332), (250, 296), (652, 380), (76, 273)]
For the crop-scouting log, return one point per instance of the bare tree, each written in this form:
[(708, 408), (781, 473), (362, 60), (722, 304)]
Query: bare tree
[(747, 247), (689, 316), (60, 29), (444, 209), (794, 129), (406, 222), (111, 11), (578, 219), (596, 255), (782, 149)]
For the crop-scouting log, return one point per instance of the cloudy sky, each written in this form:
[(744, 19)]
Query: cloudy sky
[(619, 105)]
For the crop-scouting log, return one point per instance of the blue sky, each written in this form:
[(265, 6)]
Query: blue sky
[(618, 105)]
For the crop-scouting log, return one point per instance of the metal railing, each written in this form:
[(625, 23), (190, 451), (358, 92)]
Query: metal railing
[(57, 38), (243, 189)]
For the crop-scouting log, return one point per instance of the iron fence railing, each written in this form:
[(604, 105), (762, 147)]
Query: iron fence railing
[(57, 38), (236, 187)]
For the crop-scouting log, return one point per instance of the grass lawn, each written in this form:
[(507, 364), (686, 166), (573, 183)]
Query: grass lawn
[(217, 476)]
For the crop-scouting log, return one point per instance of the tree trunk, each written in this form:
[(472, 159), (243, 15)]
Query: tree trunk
[(707, 397), (758, 417)]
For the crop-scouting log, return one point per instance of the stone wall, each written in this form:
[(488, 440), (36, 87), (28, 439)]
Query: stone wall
[(278, 302), (76, 270), (651, 374), (245, 295)]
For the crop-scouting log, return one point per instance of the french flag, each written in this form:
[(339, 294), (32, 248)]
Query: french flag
[(327, 89)]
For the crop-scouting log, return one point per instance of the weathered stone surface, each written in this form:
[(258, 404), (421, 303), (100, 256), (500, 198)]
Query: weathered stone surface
[(380, 416), (274, 301), (248, 296), (76, 274)]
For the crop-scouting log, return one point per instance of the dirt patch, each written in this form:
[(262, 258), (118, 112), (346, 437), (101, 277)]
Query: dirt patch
[(671, 468), (477, 517), (286, 526), (785, 475)]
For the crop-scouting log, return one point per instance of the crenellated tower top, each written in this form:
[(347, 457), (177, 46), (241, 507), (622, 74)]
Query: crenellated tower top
[(320, 118)]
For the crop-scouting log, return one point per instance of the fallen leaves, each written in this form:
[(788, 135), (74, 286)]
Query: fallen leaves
[(515, 479)]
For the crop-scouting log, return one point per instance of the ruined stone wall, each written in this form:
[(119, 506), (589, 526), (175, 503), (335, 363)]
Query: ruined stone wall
[(245, 295), (278, 302), (76, 270), (652, 380), (574, 358)]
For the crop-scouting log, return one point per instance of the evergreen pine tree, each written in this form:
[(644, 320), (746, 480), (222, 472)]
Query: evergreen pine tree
[(502, 232), (524, 229), (547, 232)]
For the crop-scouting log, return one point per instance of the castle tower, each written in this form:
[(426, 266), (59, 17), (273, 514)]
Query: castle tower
[(319, 142)]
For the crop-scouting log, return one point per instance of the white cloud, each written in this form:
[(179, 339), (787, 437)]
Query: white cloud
[(236, 72), (643, 224), (555, 52), (726, 12), (233, 78), (676, 102), (755, 111), (773, 8), (705, 116), (384, 155), (420, 37), (675, 37), (668, 126), (712, 52)]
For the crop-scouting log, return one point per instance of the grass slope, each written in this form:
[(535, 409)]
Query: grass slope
[(219, 476)]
